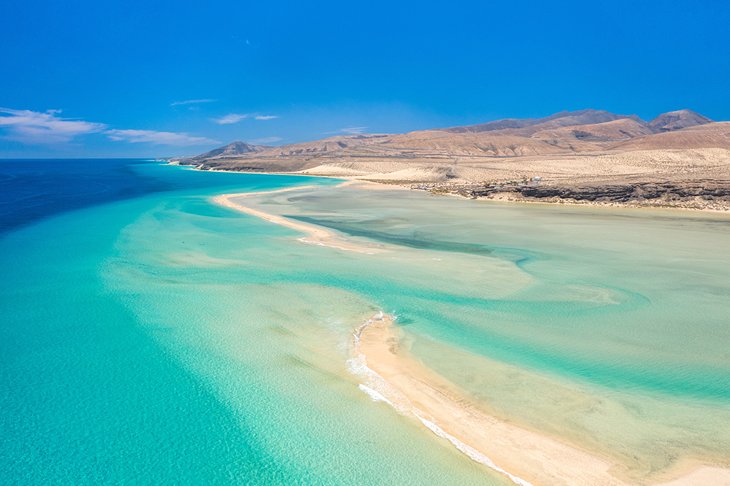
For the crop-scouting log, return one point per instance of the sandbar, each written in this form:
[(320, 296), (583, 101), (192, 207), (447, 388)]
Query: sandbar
[(390, 374)]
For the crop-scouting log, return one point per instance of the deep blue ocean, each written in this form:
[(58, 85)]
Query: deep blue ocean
[(36, 189)]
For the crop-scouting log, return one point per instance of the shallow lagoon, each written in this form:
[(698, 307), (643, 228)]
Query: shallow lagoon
[(181, 341)]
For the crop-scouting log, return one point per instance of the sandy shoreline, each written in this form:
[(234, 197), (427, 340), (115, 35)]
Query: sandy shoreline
[(388, 373), (391, 375), (364, 183), (315, 235)]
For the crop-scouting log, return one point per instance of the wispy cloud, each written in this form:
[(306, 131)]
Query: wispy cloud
[(232, 118), (33, 127), (265, 140), (192, 102), (159, 138), (348, 131)]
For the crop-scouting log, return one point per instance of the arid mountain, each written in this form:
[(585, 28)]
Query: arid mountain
[(481, 144), (611, 131), (526, 126), (585, 149), (677, 120), (709, 135), (583, 131), (325, 146), (233, 149)]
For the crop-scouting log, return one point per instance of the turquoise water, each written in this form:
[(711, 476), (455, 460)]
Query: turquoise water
[(160, 338), (137, 346), (605, 327)]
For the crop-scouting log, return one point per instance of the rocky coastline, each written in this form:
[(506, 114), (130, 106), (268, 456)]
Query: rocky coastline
[(702, 195)]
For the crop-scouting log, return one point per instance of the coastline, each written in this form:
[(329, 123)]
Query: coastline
[(391, 375), (453, 190), (509, 199), (314, 235), (524, 456), (517, 198)]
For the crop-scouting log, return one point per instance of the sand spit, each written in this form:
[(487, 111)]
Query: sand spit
[(315, 235), (391, 375)]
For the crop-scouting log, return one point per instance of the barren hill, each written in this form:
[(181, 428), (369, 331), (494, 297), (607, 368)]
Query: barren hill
[(676, 120), (611, 131), (710, 135), (532, 158), (233, 149), (528, 125)]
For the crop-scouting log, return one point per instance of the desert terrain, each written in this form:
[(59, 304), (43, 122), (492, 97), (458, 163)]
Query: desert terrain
[(679, 159)]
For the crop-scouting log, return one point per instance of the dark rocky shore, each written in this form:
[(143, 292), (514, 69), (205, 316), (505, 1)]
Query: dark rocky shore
[(691, 195)]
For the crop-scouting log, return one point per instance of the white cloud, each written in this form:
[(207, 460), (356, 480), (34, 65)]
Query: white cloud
[(158, 138), (33, 127), (265, 140), (350, 130), (231, 118), (192, 102)]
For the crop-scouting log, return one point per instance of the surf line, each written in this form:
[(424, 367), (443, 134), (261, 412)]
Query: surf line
[(315, 235), (379, 389)]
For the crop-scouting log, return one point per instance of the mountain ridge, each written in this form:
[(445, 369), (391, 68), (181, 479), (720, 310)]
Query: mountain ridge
[(230, 150), (679, 158), (566, 131), (563, 118)]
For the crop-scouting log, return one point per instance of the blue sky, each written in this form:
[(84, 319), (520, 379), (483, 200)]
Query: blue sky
[(156, 78)]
